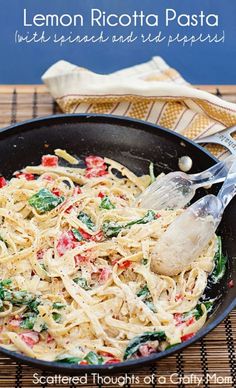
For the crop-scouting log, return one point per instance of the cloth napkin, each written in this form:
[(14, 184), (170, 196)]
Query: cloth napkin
[(151, 91)]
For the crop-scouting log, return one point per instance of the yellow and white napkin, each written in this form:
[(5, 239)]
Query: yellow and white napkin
[(150, 91)]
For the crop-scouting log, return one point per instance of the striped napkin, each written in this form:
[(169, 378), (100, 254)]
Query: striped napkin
[(150, 91)]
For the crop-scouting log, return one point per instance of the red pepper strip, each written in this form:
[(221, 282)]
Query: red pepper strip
[(178, 297), (76, 191), (15, 322), (47, 177), (112, 361), (105, 354), (49, 338), (56, 192), (95, 172), (146, 350), (104, 275), (94, 161), (3, 182), (30, 338), (79, 259), (115, 261), (65, 243), (125, 264), (178, 317), (98, 236), (230, 283), (190, 321), (101, 195), (84, 234), (186, 337), (68, 210), (27, 176), (49, 161)]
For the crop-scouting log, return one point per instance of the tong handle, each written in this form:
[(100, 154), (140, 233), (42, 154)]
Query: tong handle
[(223, 138)]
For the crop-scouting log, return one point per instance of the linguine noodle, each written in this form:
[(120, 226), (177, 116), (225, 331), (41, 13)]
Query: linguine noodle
[(76, 283)]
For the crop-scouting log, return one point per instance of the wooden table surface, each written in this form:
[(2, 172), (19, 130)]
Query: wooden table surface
[(22, 102)]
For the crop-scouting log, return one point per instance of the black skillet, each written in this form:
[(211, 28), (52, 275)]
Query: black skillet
[(134, 144)]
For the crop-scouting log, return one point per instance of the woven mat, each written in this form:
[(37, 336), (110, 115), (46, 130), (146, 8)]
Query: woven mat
[(210, 363)]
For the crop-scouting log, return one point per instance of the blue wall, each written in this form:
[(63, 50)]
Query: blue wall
[(202, 63)]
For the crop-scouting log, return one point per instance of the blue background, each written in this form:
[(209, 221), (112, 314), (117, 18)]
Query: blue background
[(200, 64)]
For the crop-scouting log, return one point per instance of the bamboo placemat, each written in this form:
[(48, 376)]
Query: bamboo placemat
[(210, 363)]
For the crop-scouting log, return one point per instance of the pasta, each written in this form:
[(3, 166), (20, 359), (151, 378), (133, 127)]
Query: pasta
[(76, 284)]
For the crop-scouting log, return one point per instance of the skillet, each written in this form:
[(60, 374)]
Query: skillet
[(133, 143)]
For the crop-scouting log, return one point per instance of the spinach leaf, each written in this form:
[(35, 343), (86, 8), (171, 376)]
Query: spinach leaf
[(197, 311), (58, 305), (84, 217), (56, 317), (82, 282), (106, 203), (151, 172), (28, 322), (69, 359), (5, 294), (112, 229), (18, 298), (144, 261), (93, 358), (209, 304), (150, 305), (45, 201), (33, 305), (144, 338), (144, 291), (150, 216), (43, 327), (172, 346), (77, 234), (43, 267), (5, 282), (220, 263)]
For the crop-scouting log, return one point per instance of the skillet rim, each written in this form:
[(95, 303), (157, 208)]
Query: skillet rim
[(95, 116), (81, 369)]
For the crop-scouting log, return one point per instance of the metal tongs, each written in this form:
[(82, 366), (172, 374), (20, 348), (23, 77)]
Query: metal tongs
[(176, 189), (223, 138), (190, 233)]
